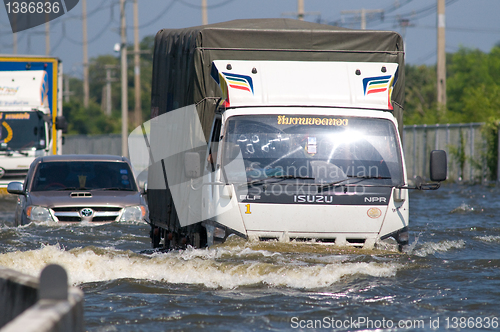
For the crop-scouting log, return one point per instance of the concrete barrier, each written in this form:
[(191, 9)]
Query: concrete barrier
[(27, 304)]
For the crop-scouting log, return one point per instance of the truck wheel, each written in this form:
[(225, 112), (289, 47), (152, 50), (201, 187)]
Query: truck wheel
[(155, 235)]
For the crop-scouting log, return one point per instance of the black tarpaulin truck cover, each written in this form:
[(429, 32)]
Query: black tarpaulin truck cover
[(183, 58)]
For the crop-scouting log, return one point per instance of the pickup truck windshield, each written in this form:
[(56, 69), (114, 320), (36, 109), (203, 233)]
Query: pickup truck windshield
[(22, 130), (83, 175), (314, 149)]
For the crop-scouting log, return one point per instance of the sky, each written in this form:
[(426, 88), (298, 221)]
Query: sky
[(469, 23)]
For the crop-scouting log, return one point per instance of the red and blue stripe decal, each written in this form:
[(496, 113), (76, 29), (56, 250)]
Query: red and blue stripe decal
[(237, 81)]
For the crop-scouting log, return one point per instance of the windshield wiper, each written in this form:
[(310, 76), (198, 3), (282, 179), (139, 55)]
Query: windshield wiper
[(116, 188), (279, 178), (349, 177), (364, 177), (73, 188)]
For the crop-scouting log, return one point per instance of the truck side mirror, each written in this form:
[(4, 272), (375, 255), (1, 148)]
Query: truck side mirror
[(192, 165), (15, 188), (438, 165), (3, 146), (61, 124), (143, 187)]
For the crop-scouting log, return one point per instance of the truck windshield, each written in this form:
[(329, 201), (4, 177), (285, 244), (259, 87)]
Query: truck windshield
[(319, 149), (83, 175), (22, 130)]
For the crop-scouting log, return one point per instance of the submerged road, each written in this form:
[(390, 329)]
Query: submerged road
[(449, 279)]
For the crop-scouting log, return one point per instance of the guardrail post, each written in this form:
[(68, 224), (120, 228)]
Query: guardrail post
[(57, 309), (53, 283)]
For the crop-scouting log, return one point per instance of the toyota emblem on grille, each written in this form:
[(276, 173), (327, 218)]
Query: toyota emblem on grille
[(87, 212)]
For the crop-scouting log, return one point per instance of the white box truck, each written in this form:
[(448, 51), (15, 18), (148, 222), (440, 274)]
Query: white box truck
[(277, 129), (31, 120)]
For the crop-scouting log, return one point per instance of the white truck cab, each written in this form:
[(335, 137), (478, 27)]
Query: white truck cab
[(321, 161)]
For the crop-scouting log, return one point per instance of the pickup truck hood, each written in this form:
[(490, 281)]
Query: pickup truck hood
[(52, 199)]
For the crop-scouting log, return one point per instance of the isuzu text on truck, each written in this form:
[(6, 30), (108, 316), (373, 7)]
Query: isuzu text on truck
[(30, 113), (278, 129)]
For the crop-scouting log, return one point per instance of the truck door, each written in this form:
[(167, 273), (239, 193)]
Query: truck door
[(212, 170)]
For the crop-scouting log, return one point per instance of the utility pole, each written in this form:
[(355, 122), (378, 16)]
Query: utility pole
[(14, 43), (300, 10), (67, 93), (441, 56), (137, 68), (14, 37), (362, 12), (204, 15), (47, 38), (123, 50), (85, 56), (300, 14), (108, 93)]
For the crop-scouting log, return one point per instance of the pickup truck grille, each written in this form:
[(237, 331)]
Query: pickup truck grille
[(90, 214)]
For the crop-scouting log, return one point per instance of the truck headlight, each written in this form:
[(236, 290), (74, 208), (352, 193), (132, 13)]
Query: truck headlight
[(134, 213), (38, 213)]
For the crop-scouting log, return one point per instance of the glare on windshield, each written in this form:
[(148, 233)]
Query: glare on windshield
[(326, 148)]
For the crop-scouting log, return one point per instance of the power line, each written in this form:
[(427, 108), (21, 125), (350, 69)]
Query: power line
[(89, 41), (94, 11), (371, 19), (54, 48), (426, 57), (463, 29), (154, 20), (394, 19), (218, 5), (421, 13)]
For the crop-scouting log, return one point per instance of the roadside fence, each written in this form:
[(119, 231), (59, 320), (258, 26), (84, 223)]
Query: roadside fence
[(465, 147)]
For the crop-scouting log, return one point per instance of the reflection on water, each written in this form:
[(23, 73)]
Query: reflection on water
[(450, 270)]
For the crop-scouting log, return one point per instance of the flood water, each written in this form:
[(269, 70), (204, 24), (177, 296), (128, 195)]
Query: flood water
[(449, 279)]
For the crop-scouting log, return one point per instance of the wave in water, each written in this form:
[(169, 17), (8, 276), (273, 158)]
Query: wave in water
[(218, 267), (430, 248), (463, 208), (488, 238)]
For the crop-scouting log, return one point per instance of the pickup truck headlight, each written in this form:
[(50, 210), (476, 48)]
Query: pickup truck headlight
[(38, 213), (134, 213)]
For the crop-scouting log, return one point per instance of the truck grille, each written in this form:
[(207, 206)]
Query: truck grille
[(90, 214)]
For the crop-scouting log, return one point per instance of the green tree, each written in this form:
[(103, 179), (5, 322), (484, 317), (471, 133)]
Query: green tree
[(473, 85), (420, 99), (473, 89), (89, 121)]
